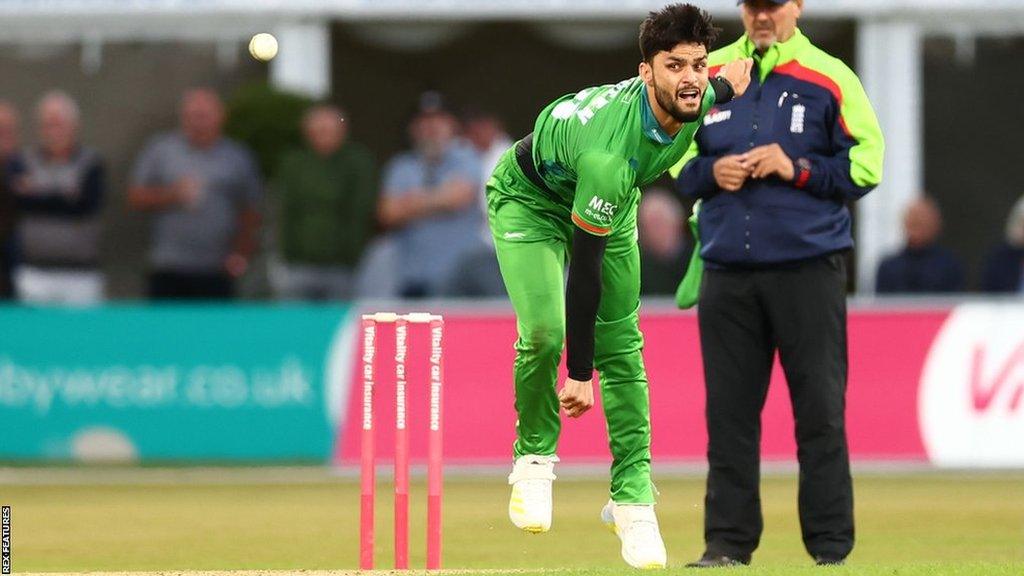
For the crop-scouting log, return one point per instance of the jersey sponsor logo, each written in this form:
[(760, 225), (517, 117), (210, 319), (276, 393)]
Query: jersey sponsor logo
[(601, 209), (971, 398), (796, 122), (715, 116), (514, 235)]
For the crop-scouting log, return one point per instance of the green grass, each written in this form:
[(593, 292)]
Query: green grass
[(906, 525)]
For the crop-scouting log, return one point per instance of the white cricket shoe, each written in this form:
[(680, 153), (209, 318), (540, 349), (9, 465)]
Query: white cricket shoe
[(637, 527), (529, 508)]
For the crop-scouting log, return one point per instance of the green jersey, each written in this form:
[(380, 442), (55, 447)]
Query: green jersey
[(596, 148), (593, 150)]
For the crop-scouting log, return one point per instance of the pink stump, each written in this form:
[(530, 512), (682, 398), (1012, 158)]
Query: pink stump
[(367, 483), (401, 449), (435, 483)]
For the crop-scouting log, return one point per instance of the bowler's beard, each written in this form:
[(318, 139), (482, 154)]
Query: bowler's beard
[(667, 100)]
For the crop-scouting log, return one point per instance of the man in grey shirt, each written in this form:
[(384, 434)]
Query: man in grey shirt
[(205, 190)]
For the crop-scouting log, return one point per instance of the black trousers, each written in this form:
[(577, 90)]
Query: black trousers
[(165, 285), (745, 316)]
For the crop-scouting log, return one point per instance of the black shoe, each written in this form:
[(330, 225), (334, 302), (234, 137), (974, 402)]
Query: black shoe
[(709, 561), (829, 561)]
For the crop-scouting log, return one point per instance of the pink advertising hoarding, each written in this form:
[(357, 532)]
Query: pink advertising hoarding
[(901, 390)]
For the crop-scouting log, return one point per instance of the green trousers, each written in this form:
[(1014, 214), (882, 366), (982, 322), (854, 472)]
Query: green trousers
[(533, 246)]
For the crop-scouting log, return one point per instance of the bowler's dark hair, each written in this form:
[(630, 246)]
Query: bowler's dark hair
[(674, 24)]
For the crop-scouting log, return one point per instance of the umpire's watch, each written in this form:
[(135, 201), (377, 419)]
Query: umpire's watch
[(803, 172)]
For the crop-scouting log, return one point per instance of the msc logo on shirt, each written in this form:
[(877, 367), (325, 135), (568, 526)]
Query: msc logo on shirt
[(601, 209)]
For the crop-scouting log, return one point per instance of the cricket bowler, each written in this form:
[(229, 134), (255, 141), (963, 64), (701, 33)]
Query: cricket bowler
[(567, 194)]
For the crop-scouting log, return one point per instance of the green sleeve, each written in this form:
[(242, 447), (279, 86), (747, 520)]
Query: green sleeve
[(858, 138), (867, 154), (603, 182), (692, 152)]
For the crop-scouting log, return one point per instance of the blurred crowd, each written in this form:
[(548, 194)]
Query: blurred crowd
[(336, 226), (340, 226), (925, 266)]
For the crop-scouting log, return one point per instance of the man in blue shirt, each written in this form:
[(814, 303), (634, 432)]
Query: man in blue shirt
[(431, 200)]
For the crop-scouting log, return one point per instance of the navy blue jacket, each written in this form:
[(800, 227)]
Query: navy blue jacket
[(815, 108), (1004, 270), (928, 270)]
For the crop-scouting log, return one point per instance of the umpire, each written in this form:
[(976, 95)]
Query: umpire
[(775, 170)]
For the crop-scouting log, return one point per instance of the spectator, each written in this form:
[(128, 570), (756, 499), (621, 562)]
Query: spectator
[(663, 246), (477, 275), (205, 190), (923, 265), (327, 201), (487, 135), (664, 250), (431, 196), (8, 146), (1004, 271), (58, 187), (485, 132)]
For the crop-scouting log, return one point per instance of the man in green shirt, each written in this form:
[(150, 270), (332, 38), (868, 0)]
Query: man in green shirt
[(327, 199), (569, 193)]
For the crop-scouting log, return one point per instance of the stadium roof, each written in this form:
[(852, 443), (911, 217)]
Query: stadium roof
[(56, 20)]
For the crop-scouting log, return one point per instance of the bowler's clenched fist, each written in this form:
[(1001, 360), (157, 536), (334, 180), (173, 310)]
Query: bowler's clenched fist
[(737, 73), (576, 397)]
